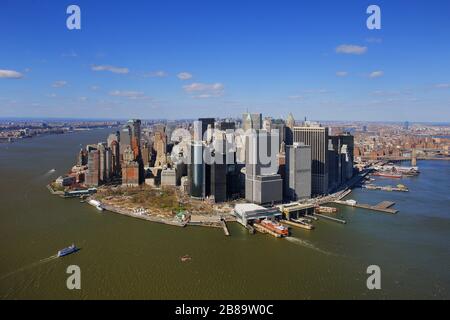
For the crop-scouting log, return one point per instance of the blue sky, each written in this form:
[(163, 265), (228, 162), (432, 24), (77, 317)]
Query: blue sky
[(187, 59)]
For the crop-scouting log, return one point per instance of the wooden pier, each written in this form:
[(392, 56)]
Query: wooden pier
[(384, 206)]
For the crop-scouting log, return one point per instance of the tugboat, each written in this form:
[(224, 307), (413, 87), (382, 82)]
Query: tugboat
[(185, 258), (67, 251)]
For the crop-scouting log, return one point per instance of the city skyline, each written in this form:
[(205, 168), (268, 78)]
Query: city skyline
[(171, 61)]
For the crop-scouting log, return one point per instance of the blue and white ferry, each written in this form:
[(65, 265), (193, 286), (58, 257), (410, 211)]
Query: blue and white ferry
[(67, 251)]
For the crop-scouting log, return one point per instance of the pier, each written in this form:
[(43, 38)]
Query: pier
[(224, 227), (385, 188), (322, 209), (331, 218), (384, 206), (250, 229), (311, 217), (305, 226)]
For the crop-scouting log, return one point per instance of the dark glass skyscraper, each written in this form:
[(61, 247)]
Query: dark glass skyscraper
[(197, 171)]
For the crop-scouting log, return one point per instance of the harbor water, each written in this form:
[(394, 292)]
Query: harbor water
[(125, 258)]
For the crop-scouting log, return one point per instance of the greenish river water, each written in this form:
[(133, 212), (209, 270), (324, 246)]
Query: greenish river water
[(122, 257)]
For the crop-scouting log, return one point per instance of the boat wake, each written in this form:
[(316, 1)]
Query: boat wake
[(48, 173), (307, 244), (45, 176), (30, 266)]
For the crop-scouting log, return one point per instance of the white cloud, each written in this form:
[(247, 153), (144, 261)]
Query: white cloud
[(157, 74), (52, 95), (443, 85), (376, 74), (10, 74), (351, 49), (133, 95), (82, 99), (184, 76), (203, 96), (342, 73), (95, 88), (113, 69), (204, 90), (59, 84)]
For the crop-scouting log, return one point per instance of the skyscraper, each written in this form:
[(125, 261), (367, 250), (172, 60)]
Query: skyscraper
[(251, 121), (218, 178), (102, 154), (130, 152), (298, 172), (289, 135), (125, 139), (130, 169), (340, 156), (197, 171), (206, 122), (108, 164), (280, 126), (290, 121), (93, 173), (315, 136), (160, 146), (406, 125), (135, 126), (113, 144), (267, 124), (226, 125), (146, 154), (82, 158), (262, 183)]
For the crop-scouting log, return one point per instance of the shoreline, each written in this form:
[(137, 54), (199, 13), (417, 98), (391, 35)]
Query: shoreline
[(213, 219), (199, 220), (124, 212)]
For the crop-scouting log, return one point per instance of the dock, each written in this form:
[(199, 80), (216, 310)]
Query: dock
[(224, 227), (311, 217), (384, 206), (298, 225), (322, 209), (250, 229), (385, 188), (331, 218)]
